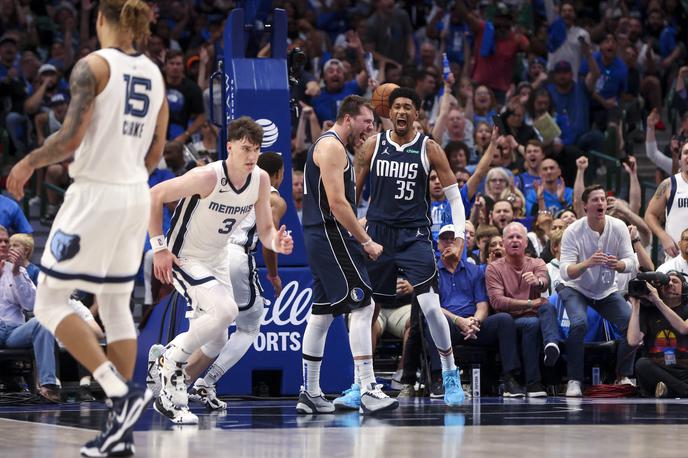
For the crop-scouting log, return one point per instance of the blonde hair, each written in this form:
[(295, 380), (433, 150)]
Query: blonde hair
[(131, 15), (506, 193), (26, 240)]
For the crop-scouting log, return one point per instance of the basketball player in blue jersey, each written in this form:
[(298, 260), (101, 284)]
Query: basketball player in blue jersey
[(335, 243), (399, 162), (115, 128)]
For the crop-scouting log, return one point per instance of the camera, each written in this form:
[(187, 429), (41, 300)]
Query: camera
[(638, 286)]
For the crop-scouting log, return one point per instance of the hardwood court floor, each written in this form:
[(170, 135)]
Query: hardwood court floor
[(490, 427)]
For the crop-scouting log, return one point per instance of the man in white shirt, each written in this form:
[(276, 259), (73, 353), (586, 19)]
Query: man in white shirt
[(680, 262), (569, 48), (593, 250)]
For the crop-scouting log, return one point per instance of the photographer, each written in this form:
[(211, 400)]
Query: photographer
[(658, 323)]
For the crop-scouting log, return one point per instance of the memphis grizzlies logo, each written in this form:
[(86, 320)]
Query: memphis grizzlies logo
[(357, 295), (64, 246)]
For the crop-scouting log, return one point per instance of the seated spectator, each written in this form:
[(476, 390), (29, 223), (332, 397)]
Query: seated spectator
[(173, 153), (483, 235), (297, 191), (502, 214), (555, 237), (540, 233), (593, 250), (458, 154), (481, 140), (659, 327), (517, 201), (24, 244), (680, 262), (495, 249), (17, 295), (498, 179), (464, 303), (12, 217), (550, 193), (469, 243), (187, 112), (534, 155), (483, 106), (515, 285), (522, 132)]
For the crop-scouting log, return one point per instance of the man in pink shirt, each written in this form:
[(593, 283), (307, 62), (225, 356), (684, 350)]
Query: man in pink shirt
[(515, 284)]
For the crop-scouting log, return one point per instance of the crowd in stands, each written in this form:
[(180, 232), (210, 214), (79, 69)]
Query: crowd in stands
[(565, 78)]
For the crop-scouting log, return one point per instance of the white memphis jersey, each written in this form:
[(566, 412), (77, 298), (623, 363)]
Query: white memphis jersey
[(246, 234), (677, 207), (123, 123), (201, 227)]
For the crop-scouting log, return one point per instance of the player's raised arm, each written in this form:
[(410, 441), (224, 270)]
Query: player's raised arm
[(439, 160), (278, 241), (363, 159), (158, 142), (88, 79)]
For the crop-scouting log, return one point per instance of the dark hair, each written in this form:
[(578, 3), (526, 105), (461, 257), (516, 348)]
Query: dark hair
[(539, 92), (407, 93), (589, 190), (534, 142), (351, 105), (420, 76), (245, 127), (456, 146), (131, 15), (173, 53), (271, 162)]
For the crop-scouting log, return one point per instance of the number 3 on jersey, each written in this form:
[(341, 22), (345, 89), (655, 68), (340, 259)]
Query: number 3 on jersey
[(136, 96), (229, 224), (405, 190)]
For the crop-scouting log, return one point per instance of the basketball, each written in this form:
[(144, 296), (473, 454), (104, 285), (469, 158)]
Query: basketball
[(380, 99)]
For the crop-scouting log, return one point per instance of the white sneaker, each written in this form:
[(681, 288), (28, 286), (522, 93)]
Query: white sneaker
[(35, 201), (179, 415), (573, 389), (206, 394), (625, 381), (396, 380), (153, 381), (373, 400)]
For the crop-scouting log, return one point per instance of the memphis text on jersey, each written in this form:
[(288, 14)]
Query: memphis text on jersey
[(229, 209)]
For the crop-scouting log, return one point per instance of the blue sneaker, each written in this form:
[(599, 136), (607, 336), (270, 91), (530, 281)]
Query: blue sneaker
[(123, 414), (453, 392), (125, 447), (351, 399)]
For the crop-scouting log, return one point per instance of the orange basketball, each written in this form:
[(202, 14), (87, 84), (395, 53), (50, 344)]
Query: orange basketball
[(380, 99)]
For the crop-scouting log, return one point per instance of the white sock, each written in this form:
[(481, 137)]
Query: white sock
[(439, 328), (365, 373), (110, 380), (311, 376), (175, 352), (313, 347), (215, 373)]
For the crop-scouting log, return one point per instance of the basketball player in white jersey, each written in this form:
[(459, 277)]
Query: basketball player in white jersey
[(669, 205), (215, 201), (115, 128), (247, 294)]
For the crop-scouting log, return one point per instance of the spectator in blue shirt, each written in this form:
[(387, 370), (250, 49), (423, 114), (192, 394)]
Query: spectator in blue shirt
[(12, 217), (609, 85), (464, 301), (549, 193), (336, 88)]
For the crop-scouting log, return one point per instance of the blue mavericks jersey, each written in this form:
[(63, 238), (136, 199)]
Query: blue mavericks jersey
[(399, 194), (316, 207)]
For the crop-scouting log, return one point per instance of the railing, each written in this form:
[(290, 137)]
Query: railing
[(605, 167)]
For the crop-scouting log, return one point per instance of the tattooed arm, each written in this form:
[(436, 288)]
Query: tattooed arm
[(655, 215), (158, 143), (89, 77)]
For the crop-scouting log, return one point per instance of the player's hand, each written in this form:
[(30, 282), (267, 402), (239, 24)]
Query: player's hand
[(276, 282), (162, 265), (284, 244), (19, 175), (670, 247), (373, 249)]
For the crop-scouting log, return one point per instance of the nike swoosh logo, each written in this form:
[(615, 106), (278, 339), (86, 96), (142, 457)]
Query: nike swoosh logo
[(223, 190)]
